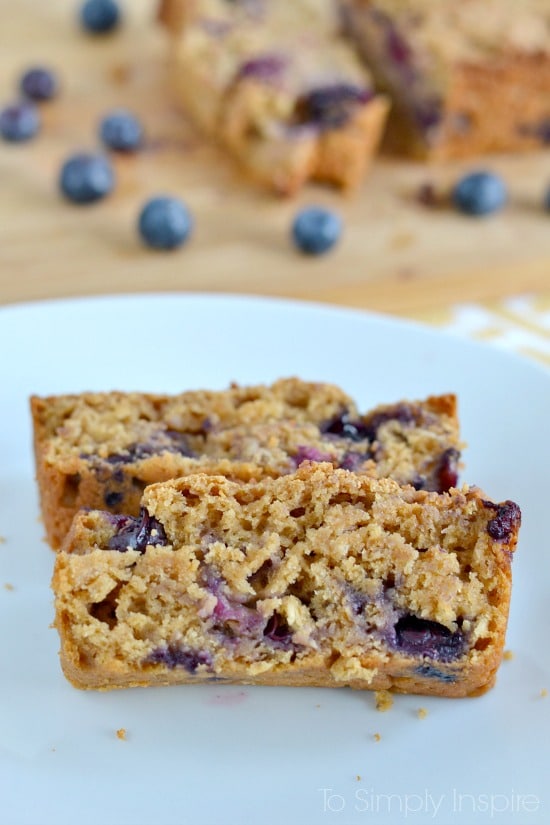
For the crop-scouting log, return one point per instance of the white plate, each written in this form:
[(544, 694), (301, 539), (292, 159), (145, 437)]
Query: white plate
[(269, 756)]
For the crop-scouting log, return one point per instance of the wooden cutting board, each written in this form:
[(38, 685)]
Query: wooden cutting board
[(396, 255)]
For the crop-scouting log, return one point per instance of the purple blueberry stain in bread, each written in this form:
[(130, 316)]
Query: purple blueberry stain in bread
[(118, 476), (428, 115), (230, 615), (166, 441), (173, 656), (421, 637), (331, 107), (446, 472), (356, 599), (278, 631), (352, 461), (506, 521), (238, 619), (430, 672), (397, 48), (137, 533), (265, 68), (418, 482), (113, 498), (401, 413), (343, 426), (306, 453)]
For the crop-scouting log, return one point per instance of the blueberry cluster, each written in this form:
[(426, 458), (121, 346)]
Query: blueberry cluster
[(88, 177), (20, 120)]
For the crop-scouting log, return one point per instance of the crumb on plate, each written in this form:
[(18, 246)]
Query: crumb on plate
[(383, 700), (377, 737), (8, 586), (508, 655), (121, 733), (421, 713), (544, 693)]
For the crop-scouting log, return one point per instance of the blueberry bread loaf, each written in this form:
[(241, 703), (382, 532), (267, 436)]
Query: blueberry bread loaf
[(322, 577), (100, 450), (464, 77), (278, 87)]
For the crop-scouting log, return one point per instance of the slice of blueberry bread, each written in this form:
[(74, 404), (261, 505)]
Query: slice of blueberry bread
[(100, 450), (464, 77), (322, 577), (275, 83)]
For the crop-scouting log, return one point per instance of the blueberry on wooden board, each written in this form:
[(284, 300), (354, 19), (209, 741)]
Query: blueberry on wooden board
[(480, 193), (100, 16), (122, 131), (19, 122), (165, 223), (86, 178), (39, 84), (316, 230)]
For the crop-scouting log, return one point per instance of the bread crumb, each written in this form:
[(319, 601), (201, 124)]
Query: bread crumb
[(384, 700), (377, 737), (421, 713), (2, 539), (8, 586), (508, 655), (121, 733), (544, 693), (358, 777)]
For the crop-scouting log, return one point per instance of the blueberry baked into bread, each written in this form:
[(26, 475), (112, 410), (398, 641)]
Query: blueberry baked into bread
[(275, 83), (321, 577), (100, 450)]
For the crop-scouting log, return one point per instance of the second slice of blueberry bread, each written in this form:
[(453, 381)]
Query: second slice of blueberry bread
[(100, 450), (321, 577)]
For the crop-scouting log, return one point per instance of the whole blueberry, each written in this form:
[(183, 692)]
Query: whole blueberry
[(122, 131), (100, 16), (480, 193), (86, 178), (165, 223), (39, 84), (19, 121), (315, 230)]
